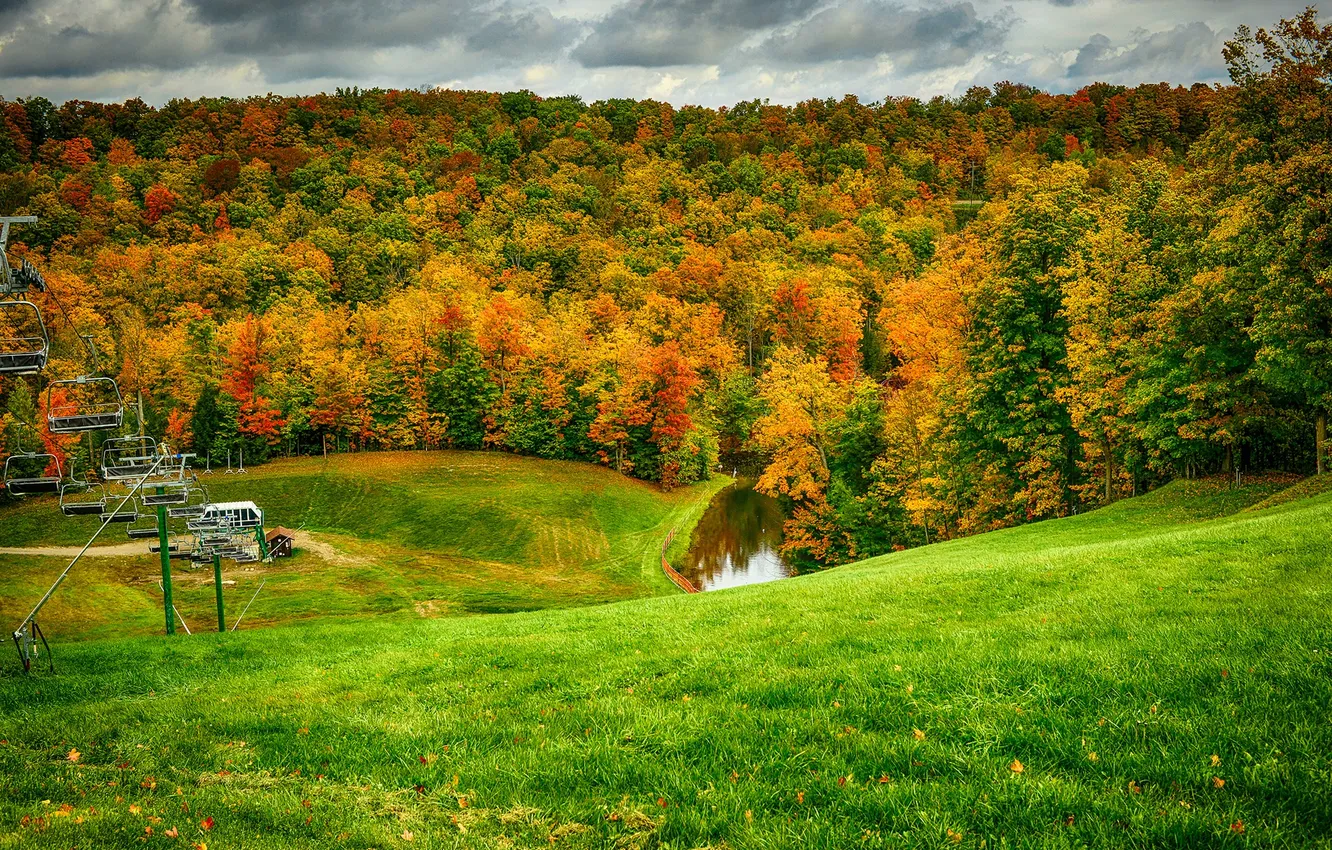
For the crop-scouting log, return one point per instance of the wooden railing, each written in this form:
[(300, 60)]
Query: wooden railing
[(671, 573)]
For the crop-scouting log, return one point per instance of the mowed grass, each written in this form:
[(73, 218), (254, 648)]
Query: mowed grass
[(429, 534), (1102, 681)]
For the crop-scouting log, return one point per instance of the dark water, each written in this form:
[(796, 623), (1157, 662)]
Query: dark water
[(737, 541)]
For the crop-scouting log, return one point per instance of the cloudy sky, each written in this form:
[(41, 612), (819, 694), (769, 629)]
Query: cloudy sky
[(708, 52)]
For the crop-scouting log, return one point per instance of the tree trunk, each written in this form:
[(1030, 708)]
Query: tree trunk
[(1320, 441), (1109, 471)]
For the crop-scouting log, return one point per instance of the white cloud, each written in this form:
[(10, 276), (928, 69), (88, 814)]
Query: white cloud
[(664, 86), (538, 73)]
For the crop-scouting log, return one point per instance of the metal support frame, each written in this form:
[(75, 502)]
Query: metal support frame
[(24, 637), (217, 584), (165, 553)]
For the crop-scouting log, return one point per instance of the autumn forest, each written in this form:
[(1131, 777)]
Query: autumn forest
[(921, 318)]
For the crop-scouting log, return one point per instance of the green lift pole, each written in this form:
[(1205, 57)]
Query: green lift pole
[(217, 582), (166, 568)]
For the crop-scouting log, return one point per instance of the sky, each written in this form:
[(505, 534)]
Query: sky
[(706, 52)]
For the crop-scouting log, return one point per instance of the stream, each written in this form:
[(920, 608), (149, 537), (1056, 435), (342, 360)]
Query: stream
[(738, 540)]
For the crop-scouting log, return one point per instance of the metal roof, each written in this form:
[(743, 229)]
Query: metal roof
[(231, 506)]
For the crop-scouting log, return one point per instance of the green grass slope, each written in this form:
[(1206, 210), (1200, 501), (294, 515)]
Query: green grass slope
[(1156, 674), (427, 532)]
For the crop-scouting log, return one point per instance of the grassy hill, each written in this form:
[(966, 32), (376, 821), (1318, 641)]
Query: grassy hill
[(1158, 673), (427, 532)]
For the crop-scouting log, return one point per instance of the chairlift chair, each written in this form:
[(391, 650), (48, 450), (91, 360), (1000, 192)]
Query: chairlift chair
[(82, 498), (165, 493), (121, 514), (26, 474), (124, 458), (91, 404), (176, 545), (26, 346), (195, 501), (144, 527)]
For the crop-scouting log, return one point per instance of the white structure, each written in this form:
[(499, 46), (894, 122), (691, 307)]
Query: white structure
[(233, 516)]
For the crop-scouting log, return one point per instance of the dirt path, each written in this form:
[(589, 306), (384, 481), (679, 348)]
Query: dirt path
[(305, 540), (116, 550), (301, 539)]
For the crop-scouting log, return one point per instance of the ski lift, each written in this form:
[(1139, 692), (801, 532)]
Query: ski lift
[(90, 404), (166, 493), (82, 498), (196, 500), (128, 457), (178, 546), (25, 345), (141, 531), (28, 474), (121, 514)]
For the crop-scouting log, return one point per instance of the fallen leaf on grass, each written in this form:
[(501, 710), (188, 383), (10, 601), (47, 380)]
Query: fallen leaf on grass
[(407, 835), (1218, 782), (206, 824), (1134, 787), (1237, 827), (1016, 766), (917, 734), (800, 796), (74, 755), (955, 837), (171, 833), (1093, 757), (1216, 760), (134, 809)]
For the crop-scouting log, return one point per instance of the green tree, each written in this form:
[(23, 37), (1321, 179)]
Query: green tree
[(464, 394)]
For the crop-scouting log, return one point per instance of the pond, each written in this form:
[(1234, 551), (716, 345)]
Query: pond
[(738, 540)]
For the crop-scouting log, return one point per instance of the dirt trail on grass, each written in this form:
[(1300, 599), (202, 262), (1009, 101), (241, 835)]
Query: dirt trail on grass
[(305, 540), (116, 550), (302, 540)]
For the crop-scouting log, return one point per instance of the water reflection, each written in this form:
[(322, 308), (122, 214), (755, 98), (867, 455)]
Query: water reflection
[(737, 541)]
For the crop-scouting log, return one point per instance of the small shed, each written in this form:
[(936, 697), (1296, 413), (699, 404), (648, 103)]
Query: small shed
[(279, 542)]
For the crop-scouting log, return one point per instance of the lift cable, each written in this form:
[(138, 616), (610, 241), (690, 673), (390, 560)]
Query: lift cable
[(23, 637)]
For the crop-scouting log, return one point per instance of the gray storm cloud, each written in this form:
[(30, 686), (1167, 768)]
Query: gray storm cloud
[(703, 51)]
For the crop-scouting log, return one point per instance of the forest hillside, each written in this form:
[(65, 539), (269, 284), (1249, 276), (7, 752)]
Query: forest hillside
[(925, 318)]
